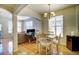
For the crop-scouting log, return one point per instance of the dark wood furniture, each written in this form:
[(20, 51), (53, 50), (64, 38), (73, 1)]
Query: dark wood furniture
[(30, 35), (72, 43), (21, 38), (24, 38), (31, 39)]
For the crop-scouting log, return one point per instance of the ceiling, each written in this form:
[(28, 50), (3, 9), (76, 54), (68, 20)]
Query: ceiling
[(39, 8), (22, 17), (10, 7), (42, 8)]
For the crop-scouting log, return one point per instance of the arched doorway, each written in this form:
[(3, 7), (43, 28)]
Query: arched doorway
[(5, 31)]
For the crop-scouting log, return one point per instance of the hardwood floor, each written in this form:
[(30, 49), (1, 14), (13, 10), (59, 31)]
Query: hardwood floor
[(31, 49)]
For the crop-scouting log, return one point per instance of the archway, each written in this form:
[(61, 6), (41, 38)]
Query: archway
[(5, 31)]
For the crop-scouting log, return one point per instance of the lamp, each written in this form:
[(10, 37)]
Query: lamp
[(49, 14)]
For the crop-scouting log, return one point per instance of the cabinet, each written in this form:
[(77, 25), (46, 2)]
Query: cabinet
[(72, 43), (21, 38)]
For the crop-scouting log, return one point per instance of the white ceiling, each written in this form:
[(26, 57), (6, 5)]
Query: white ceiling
[(5, 13), (22, 17), (41, 8)]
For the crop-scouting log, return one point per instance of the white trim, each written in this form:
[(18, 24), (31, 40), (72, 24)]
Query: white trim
[(20, 8)]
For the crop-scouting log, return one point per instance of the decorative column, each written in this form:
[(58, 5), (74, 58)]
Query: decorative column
[(45, 25), (42, 31), (15, 37)]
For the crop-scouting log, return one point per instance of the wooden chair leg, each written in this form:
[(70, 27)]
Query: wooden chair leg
[(39, 48), (29, 41), (57, 48), (51, 49), (46, 50)]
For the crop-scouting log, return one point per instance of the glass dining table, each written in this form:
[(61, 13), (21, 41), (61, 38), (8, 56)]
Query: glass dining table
[(44, 45)]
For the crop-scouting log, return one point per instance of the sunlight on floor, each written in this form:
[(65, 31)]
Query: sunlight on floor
[(1, 50), (31, 49), (10, 48)]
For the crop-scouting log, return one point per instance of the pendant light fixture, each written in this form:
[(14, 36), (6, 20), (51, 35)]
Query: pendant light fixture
[(49, 14)]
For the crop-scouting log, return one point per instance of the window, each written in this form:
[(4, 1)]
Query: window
[(19, 26), (0, 27), (0, 31), (29, 25), (9, 26), (56, 25)]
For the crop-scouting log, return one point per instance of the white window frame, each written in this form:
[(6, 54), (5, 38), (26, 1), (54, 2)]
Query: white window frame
[(19, 25), (10, 27), (28, 25), (55, 25), (0, 27)]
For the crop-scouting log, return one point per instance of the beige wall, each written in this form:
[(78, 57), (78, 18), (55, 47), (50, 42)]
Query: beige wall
[(77, 17), (69, 22)]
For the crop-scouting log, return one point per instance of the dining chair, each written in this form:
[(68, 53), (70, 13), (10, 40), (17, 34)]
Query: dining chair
[(38, 43), (55, 45)]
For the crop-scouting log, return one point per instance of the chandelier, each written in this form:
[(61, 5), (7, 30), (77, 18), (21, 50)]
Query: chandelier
[(49, 14)]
